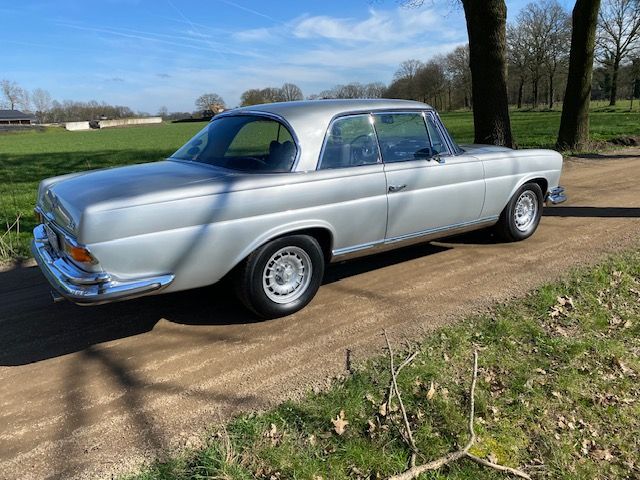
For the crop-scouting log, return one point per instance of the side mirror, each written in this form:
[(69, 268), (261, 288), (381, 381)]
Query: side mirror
[(437, 158)]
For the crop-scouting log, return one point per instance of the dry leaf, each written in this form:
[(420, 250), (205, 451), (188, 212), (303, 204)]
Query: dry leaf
[(383, 410), (340, 423), (626, 370), (272, 432), (492, 458), (372, 427), (602, 454), (431, 392)]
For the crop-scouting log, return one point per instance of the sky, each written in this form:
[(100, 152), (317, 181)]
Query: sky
[(146, 54)]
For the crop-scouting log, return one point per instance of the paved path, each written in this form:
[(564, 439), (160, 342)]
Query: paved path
[(87, 392)]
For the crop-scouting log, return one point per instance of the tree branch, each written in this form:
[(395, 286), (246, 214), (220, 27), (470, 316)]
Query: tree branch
[(416, 470)]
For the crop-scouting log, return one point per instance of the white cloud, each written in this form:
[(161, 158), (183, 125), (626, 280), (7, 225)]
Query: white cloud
[(380, 26), (255, 35)]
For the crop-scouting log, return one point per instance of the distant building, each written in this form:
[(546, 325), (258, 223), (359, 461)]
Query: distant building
[(16, 117)]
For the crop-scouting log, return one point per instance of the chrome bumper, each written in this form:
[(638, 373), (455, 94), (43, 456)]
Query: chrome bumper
[(87, 288), (556, 195)]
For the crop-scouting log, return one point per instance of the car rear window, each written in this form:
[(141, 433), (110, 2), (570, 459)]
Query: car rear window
[(248, 143)]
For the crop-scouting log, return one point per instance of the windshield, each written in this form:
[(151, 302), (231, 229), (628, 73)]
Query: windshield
[(248, 143)]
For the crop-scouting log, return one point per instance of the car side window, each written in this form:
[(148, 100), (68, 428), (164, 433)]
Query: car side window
[(403, 137), (437, 142), (350, 142)]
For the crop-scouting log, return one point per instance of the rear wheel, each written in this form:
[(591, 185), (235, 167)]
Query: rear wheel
[(520, 218), (282, 276)]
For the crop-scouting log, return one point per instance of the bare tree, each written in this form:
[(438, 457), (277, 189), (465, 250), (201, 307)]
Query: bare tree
[(163, 112), (291, 92), (405, 79), (408, 69), (211, 102), (272, 95), (374, 90), (252, 96), (559, 36), (431, 82), (41, 103), (537, 44), (574, 124), (618, 35), (13, 93), (518, 55), (457, 64)]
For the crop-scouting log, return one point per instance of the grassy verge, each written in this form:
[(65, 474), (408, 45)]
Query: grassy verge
[(557, 395)]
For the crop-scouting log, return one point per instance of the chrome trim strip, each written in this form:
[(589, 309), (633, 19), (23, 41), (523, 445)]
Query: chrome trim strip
[(556, 195), (340, 252), (442, 229), (85, 288)]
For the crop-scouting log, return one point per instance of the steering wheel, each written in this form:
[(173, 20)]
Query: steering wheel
[(365, 153)]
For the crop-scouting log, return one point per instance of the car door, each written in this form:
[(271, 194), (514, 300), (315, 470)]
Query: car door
[(429, 188), (351, 185)]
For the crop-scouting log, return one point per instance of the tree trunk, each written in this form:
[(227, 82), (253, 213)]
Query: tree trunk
[(614, 82), (520, 92), (536, 81), (551, 92), (574, 125), (486, 26)]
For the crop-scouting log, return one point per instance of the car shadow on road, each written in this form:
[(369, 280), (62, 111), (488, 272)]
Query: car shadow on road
[(604, 156), (593, 212), (35, 329)]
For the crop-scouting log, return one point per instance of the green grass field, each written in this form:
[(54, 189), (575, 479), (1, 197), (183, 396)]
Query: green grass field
[(557, 396), (28, 157)]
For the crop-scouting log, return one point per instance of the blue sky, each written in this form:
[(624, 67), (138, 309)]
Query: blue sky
[(146, 54)]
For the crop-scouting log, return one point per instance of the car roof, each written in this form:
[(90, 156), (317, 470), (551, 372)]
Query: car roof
[(333, 107), (310, 119)]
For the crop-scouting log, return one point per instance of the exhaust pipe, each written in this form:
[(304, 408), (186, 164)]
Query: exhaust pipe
[(56, 297)]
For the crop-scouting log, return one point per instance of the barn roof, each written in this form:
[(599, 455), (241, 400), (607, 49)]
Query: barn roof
[(15, 115)]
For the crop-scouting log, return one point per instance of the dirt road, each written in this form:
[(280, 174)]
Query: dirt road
[(89, 392)]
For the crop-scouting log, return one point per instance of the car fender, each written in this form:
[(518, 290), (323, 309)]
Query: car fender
[(281, 230)]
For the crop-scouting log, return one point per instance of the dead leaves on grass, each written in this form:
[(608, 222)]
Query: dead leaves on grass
[(564, 305), (340, 423)]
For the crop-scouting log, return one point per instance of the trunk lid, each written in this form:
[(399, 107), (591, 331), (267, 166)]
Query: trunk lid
[(65, 201)]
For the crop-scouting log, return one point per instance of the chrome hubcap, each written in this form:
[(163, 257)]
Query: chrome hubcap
[(526, 210), (287, 275)]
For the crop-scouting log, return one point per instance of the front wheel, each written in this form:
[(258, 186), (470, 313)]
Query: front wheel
[(281, 277), (520, 218)]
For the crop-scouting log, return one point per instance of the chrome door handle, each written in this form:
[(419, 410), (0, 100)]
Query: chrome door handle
[(397, 188)]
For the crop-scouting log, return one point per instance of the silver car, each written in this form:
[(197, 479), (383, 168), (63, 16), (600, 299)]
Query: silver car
[(270, 194)]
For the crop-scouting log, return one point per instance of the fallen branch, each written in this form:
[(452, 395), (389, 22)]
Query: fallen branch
[(394, 373), (416, 470)]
